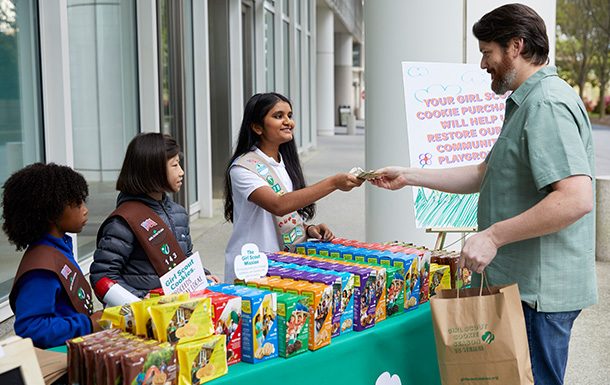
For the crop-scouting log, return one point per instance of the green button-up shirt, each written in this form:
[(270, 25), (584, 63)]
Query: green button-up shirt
[(546, 137)]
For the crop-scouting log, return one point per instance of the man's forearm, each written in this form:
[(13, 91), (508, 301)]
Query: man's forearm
[(458, 180)]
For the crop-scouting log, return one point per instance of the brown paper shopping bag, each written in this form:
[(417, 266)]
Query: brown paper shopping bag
[(480, 336)]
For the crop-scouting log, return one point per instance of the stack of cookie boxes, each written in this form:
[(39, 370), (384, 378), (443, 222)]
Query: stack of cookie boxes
[(389, 283), (259, 321), (227, 320), (423, 264), (184, 350), (343, 288), (318, 298), (364, 278), (329, 299), (459, 277), (413, 264)]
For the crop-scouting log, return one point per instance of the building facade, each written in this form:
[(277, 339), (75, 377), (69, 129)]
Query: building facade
[(80, 78)]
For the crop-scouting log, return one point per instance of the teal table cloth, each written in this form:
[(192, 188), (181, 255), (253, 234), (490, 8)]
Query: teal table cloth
[(401, 346)]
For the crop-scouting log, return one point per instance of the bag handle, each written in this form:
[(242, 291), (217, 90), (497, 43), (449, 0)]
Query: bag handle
[(483, 281)]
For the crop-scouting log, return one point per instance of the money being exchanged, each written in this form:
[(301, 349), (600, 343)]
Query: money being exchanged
[(361, 174)]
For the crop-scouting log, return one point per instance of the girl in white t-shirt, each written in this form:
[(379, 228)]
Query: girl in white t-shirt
[(265, 191)]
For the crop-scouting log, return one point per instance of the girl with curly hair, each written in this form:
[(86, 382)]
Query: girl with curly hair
[(50, 297)]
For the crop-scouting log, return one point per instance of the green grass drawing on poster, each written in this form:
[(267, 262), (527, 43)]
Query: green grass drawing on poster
[(440, 209)]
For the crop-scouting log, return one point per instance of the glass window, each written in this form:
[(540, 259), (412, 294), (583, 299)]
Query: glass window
[(247, 31), (309, 6), (189, 90), (286, 53), (103, 81), (177, 93), (356, 54), (21, 139), (167, 106), (297, 100), (297, 12), (269, 47), (307, 97), (286, 7)]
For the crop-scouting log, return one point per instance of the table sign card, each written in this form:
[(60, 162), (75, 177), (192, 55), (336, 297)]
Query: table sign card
[(251, 263), (187, 277)]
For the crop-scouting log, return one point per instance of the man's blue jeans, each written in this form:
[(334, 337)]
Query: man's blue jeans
[(548, 335)]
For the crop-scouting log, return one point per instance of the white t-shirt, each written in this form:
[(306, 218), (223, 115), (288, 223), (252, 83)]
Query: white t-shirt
[(251, 223)]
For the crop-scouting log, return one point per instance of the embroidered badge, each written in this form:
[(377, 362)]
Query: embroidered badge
[(262, 169), (165, 249), (80, 293), (276, 187), (270, 180), (65, 271), (289, 237), (155, 233), (148, 224), (72, 278)]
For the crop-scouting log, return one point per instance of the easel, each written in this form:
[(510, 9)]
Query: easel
[(442, 234)]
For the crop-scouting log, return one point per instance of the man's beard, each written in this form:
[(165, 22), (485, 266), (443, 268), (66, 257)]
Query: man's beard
[(504, 78)]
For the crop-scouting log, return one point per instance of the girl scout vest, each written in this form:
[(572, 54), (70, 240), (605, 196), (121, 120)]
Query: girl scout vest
[(154, 236), (43, 257), (290, 228)]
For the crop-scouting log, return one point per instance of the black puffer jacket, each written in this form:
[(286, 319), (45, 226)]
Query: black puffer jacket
[(120, 257)]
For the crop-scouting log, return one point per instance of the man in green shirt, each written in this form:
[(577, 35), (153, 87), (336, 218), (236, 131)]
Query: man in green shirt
[(536, 188)]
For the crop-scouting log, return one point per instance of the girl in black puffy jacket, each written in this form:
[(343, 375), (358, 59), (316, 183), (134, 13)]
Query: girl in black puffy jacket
[(150, 170)]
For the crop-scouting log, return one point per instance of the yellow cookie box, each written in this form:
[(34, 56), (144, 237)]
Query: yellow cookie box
[(440, 278), (202, 360), (119, 317), (141, 316), (182, 321)]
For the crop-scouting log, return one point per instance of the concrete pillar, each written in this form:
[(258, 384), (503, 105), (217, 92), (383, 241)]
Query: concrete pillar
[(325, 74), (393, 34), (602, 218), (351, 124), (343, 73)]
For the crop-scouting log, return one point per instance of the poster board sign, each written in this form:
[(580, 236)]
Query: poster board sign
[(453, 120), (187, 277)]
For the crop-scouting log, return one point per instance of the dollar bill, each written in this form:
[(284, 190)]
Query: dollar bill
[(358, 172)]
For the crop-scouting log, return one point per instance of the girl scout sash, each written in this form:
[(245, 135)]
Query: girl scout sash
[(154, 236), (290, 228), (43, 257)]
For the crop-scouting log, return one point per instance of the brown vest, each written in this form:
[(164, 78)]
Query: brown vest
[(154, 236), (43, 257)]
